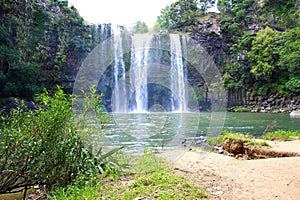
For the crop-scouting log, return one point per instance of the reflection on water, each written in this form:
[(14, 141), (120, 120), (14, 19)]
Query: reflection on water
[(161, 131)]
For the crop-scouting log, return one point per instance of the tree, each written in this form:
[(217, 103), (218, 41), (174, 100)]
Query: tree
[(280, 13), (140, 27), (262, 38), (163, 21), (42, 44), (290, 51), (183, 13), (204, 5), (264, 53)]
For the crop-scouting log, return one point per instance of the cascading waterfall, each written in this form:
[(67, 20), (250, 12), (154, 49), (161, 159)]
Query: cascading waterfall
[(139, 72), (178, 76), (134, 86), (118, 104)]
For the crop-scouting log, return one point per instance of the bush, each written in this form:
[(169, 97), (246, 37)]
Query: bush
[(43, 146), (293, 85)]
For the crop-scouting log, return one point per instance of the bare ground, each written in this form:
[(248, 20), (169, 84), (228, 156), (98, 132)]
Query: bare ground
[(225, 177)]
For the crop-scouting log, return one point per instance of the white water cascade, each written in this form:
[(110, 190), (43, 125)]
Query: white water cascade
[(120, 92), (139, 71), (178, 74), (129, 81)]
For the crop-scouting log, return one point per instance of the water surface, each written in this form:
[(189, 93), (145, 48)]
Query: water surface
[(161, 131)]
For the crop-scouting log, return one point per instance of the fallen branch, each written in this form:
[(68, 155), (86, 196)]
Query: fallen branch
[(256, 152)]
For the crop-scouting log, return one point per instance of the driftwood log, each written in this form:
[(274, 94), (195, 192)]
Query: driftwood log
[(237, 147), (256, 152)]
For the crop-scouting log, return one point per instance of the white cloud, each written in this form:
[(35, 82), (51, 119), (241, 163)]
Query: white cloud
[(123, 12)]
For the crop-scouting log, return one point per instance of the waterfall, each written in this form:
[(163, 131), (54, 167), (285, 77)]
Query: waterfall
[(118, 104), (139, 71), (178, 74), (147, 81)]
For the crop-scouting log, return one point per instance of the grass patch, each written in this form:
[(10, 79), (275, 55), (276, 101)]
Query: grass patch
[(258, 143), (215, 141), (240, 109), (247, 139), (149, 177), (163, 185), (282, 135)]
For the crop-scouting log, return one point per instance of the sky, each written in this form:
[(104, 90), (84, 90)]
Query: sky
[(122, 12)]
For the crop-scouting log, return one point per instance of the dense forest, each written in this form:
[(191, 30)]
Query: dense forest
[(256, 47), (43, 43)]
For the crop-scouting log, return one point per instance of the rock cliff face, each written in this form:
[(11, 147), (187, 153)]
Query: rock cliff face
[(275, 103), (207, 32)]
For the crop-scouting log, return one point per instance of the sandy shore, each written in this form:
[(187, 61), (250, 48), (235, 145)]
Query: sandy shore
[(225, 177)]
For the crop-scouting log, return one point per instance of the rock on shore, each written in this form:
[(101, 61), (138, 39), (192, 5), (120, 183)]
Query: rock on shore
[(295, 114)]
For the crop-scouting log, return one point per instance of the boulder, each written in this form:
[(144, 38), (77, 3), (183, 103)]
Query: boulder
[(233, 146), (295, 114)]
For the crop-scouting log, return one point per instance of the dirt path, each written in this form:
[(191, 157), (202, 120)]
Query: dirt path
[(225, 177)]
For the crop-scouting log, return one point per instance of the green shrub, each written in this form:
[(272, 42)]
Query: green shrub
[(43, 146), (293, 85)]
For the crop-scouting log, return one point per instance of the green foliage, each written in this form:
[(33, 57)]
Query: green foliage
[(229, 135), (148, 163), (152, 180), (290, 51), (140, 27), (234, 136), (163, 185), (205, 5), (43, 146), (247, 139), (236, 17), (264, 53), (240, 109), (264, 47), (216, 141), (40, 147), (293, 85), (284, 13), (182, 14), (21, 81), (40, 46), (281, 135), (258, 143), (274, 56), (163, 21)]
